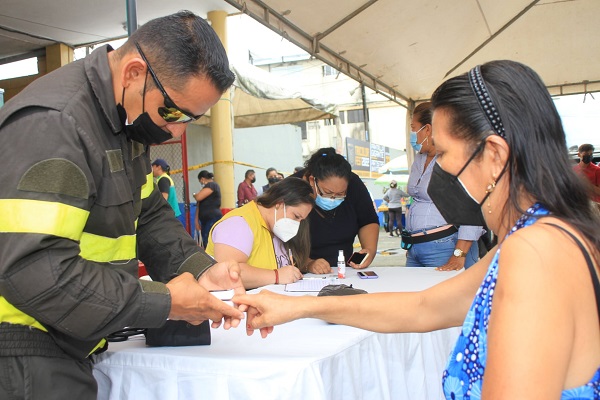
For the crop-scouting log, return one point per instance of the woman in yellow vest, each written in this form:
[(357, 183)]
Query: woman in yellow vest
[(269, 236)]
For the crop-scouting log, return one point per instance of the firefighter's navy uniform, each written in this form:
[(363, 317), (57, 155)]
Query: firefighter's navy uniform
[(78, 209)]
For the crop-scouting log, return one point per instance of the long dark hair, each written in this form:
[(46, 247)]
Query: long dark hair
[(292, 192), (325, 163), (538, 162)]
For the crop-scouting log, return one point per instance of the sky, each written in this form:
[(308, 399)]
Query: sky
[(581, 120)]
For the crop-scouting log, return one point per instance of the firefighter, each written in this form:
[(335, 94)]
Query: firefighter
[(79, 207)]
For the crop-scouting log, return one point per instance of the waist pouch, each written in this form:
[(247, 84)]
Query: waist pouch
[(172, 333), (408, 239), (179, 333)]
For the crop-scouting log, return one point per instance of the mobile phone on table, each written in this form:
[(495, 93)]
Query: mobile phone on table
[(367, 275), (357, 258)]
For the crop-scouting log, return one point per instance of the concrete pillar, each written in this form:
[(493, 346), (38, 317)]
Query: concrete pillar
[(58, 55), (221, 125)]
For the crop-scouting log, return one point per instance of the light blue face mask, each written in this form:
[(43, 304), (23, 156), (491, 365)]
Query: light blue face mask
[(413, 140), (327, 204)]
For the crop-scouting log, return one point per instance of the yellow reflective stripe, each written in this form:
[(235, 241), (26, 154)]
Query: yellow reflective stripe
[(11, 314), (98, 346), (148, 186), (104, 249), (44, 217)]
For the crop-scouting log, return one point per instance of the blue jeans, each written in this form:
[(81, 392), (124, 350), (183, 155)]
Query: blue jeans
[(437, 253), (205, 226)]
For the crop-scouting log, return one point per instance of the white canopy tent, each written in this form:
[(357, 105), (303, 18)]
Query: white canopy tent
[(260, 99), (404, 49), (397, 165), (400, 48)]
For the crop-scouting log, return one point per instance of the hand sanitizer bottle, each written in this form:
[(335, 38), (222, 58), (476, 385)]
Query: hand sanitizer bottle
[(341, 265)]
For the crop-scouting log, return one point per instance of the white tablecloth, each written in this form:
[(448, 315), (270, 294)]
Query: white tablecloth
[(306, 359)]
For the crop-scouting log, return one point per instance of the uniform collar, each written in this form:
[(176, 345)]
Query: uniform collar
[(97, 70)]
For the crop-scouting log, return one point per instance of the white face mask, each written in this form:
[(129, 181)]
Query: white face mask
[(285, 228)]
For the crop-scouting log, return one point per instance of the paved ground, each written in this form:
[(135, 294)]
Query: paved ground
[(389, 253)]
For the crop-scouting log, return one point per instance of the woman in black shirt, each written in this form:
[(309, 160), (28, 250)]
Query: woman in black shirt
[(343, 210), (208, 206)]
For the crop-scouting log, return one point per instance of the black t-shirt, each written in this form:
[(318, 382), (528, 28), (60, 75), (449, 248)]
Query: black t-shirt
[(210, 207), (164, 185), (331, 231)]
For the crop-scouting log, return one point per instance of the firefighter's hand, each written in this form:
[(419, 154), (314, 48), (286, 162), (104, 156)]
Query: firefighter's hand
[(193, 303), (225, 275)]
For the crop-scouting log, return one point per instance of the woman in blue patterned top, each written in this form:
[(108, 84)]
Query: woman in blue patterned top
[(529, 310)]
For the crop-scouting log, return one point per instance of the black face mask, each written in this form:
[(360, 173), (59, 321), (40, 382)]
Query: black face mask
[(587, 158), (143, 129), (451, 198), (273, 180), (252, 180)]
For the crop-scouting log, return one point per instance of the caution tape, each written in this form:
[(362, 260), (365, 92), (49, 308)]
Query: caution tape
[(206, 164)]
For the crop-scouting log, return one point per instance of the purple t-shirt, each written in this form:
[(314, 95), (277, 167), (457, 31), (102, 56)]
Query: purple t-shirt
[(243, 239)]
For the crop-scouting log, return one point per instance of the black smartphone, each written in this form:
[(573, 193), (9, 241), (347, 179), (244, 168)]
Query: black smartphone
[(367, 275), (357, 258)]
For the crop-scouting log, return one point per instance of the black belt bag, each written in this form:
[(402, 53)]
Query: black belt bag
[(408, 239), (172, 333)]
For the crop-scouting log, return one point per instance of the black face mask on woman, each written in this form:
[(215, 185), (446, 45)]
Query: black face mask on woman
[(143, 129), (452, 199)]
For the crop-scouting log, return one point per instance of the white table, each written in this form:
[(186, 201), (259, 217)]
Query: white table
[(306, 359)]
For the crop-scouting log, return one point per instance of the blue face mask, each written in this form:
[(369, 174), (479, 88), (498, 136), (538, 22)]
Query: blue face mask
[(327, 204), (413, 140)]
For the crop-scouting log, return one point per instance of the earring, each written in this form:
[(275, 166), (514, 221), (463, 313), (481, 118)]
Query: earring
[(488, 190)]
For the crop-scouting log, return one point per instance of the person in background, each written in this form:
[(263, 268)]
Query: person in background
[(272, 178), (280, 176), (586, 168), (246, 190), (268, 237), (530, 309), (80, 208), (394, 199), (208, 206), (161, 172), (298, 169), (343, 210), (436, 243)]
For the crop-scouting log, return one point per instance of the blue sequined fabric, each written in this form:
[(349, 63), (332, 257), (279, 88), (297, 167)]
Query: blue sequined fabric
[(464, 373)]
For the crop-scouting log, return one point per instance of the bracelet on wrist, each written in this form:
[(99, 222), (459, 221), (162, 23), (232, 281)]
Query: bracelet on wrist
[(276, 277)]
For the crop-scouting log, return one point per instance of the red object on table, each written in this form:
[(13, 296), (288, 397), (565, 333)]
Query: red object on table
[(141, 269)]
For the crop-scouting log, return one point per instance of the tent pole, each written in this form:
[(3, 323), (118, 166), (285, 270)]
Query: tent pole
[(131, 16)]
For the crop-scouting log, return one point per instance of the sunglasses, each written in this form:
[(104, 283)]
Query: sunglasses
[(171, 112)]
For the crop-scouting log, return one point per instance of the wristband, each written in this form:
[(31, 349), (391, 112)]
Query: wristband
[(276, 277)]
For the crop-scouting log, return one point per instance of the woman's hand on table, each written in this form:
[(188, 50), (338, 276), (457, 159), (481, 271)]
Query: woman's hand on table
[(289, 274), (267, 309), (319, 266)]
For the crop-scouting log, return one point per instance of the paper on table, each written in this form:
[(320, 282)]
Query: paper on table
[(310, 284)]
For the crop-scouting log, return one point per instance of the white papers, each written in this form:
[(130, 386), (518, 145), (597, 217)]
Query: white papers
[(310, 284)]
